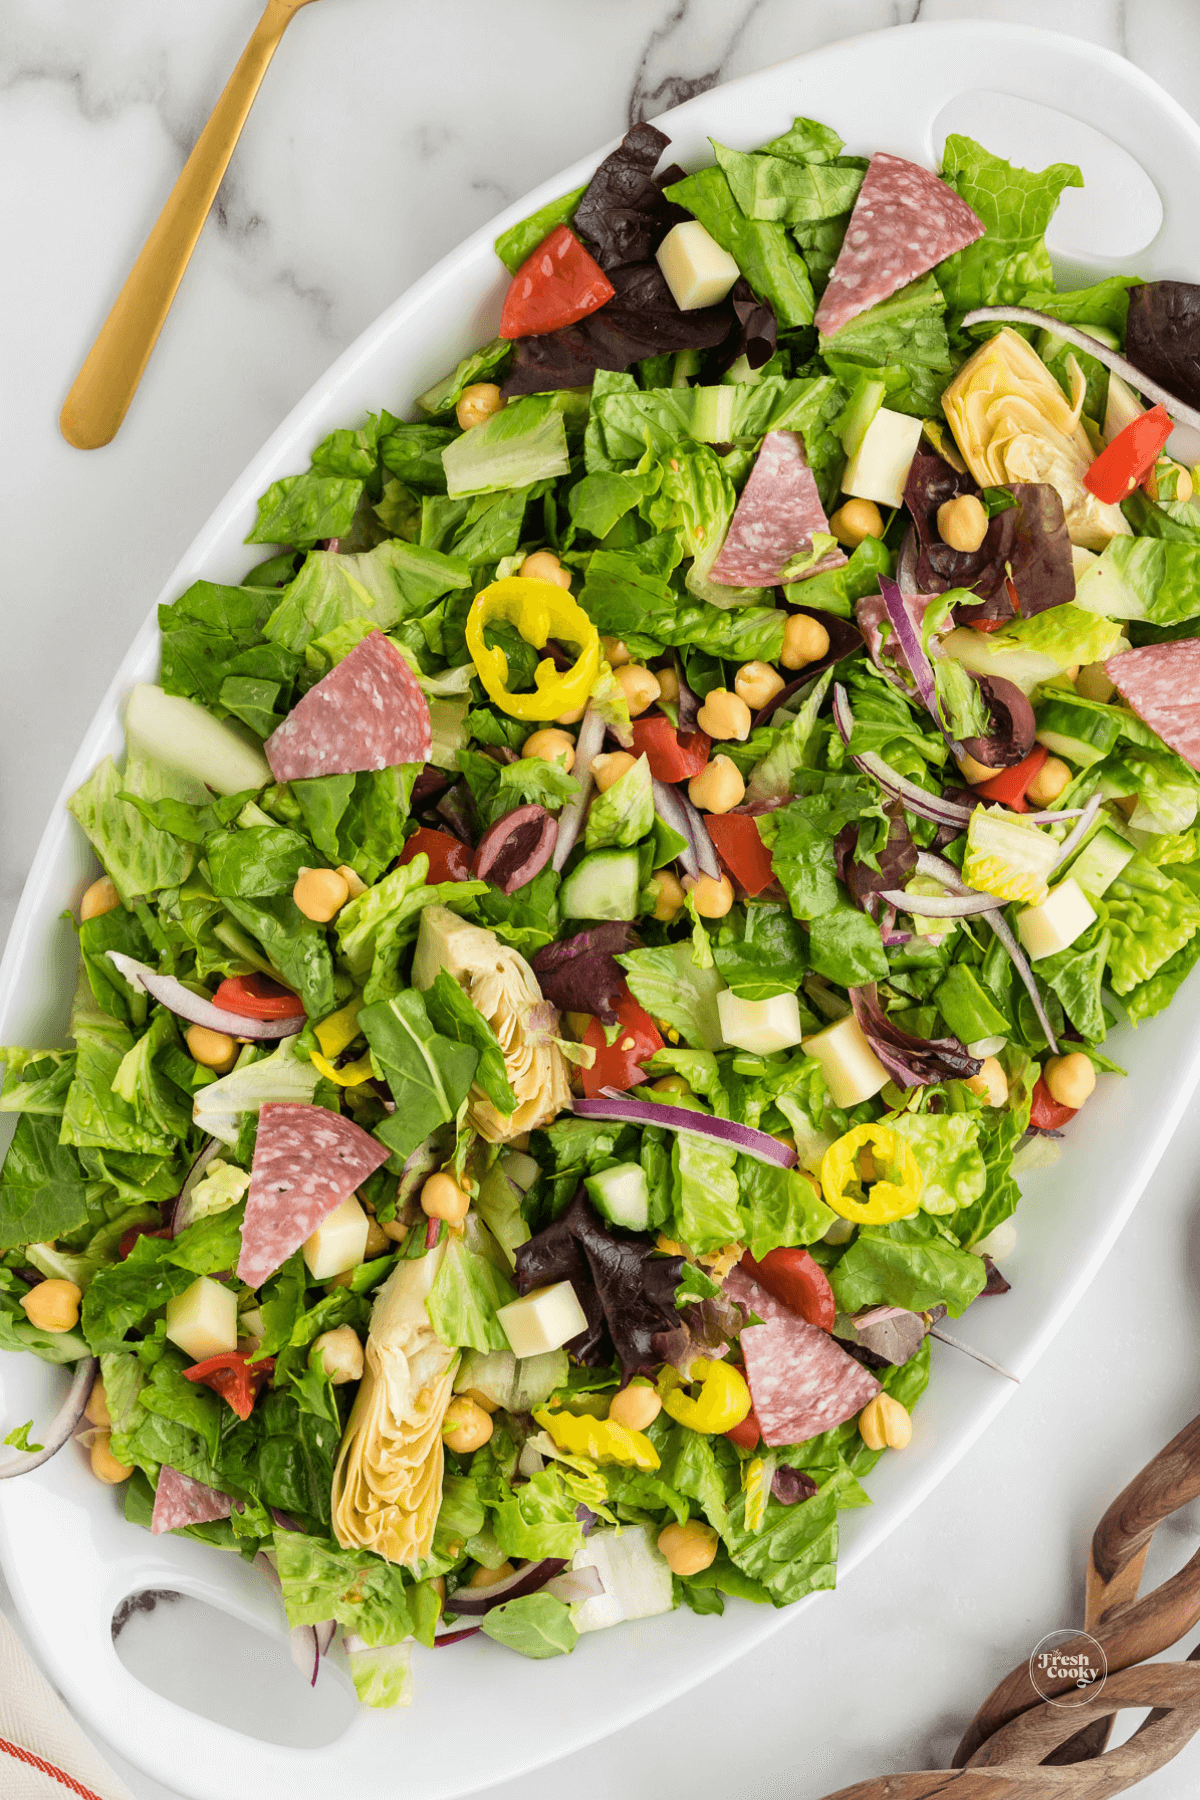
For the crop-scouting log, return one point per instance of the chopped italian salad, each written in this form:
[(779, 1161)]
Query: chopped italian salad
[(593, 928)]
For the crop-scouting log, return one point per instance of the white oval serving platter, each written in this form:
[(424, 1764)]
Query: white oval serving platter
[(886, 91)]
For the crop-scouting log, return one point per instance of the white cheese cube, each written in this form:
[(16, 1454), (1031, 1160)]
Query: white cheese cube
[(203, 1319), (759, 1026), (695, 268), (340, 1243), (848, 1063), (879, 467), (544, 1320), (1062, 917)]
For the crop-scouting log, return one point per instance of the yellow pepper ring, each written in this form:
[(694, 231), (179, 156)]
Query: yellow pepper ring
[(888, 1200), (539, 610), (722, 1403)]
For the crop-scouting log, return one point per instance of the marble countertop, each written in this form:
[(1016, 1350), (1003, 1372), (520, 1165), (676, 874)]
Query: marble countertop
[(386, 132)]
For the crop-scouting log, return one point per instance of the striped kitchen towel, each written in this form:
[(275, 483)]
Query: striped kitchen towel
[(43, 1753)]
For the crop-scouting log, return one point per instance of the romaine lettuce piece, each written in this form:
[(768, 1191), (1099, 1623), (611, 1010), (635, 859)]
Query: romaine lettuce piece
[(1151, 917), (1016, 205), (761, 249), (1146, 578), (624, 813), (946, 1146), (1007, 857), (522, 443)]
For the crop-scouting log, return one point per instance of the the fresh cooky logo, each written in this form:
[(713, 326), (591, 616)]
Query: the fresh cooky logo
[(1068, 1668)]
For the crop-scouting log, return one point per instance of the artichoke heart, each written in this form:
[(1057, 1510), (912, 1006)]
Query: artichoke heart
[(504, 989), (1012, 422), (387, 1485)]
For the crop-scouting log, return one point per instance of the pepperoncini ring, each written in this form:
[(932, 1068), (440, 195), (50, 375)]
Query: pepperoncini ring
[(600, 1440), (539, 610), (722, 1403), (895, 1195), (352, 1075)]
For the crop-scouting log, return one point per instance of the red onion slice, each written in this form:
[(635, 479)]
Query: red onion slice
[(706, 850), (950, 877), (529, 1578), (938, 906), (22, 1462), (898, 787), (587, 747), (516, 848), (913, 650), (454, 1637), (1112, 359), (181, 1215), (1072, 842), (185, 1005), (758, 1144), (670, 811)]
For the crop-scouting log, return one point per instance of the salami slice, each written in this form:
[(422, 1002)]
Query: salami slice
[(367, 713), (905, 221), (802, 1383), (777, 513), (1162, 684), (307, 1160), (179, 1501)]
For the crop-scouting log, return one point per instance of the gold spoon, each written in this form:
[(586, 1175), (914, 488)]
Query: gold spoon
[(99, 399)]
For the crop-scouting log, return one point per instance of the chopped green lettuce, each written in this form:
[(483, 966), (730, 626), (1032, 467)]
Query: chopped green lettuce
[(524, 442), (1015, 206), (946, 1146)]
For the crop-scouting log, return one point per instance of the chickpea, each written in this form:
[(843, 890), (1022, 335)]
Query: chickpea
[(963, 523), (608, 770), (340, 1354), (718, 788), (354, 882), (466, 1427), (479, 402), (395, 1231), (101, 897), (543, 565), (974, 771), (320, 894), (442, 1198), (883, 1424), (991, 1083), (713, 898), (1070, 1079), (481, 1400), (688, 1548), (53, 1305), (724, 715), (570, 718), (551, 746), (805, 641), (211, 1049), (1184, 486), (640, 686), (669, 896), (96, 1411), (378, 1241), (855, 520), (486, 1577), (635, 1407), (615, 653), (105, 1466), (668, 682), (1052, 779), (757, 683)]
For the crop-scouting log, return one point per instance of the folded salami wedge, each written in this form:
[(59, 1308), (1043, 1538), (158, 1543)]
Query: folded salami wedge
[(801, 1381), (307, 1160), (905, 221), (777, 513), (367, 713), (179, 1501), (1162, 684)]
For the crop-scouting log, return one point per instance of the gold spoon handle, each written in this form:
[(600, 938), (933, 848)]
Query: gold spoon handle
[(98, 400)]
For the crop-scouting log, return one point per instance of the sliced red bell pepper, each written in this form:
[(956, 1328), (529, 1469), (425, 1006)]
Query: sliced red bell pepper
[(741, 849), (999, 624), (672, 756), (449, 858), (555, 286), (1045, 1111), (747, 1434), (1011, 785), (619, 1065), (797, 1279), (235, 1376), (1132, 454), (258, 997)]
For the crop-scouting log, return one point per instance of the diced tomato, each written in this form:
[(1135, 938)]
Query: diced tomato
[(139, 1231), (988, 624), (672, 757), (741, 849), (1011, 785), (555, 286), (794, 1277), (235, 1376), (1046, 1112), (619, 1065), (747, 1434), (449, 858), (258, 997), (1132, 454)]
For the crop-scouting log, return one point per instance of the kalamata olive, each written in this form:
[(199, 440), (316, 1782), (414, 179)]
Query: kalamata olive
[(1010, 738), (514, 849)]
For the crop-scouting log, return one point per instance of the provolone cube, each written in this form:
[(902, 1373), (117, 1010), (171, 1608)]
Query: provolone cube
[(340, 1243), (544, 1320), (759, 1026), (1062, 917), (879, 467), (203, 1319), (848, 1063), (695, 268)]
